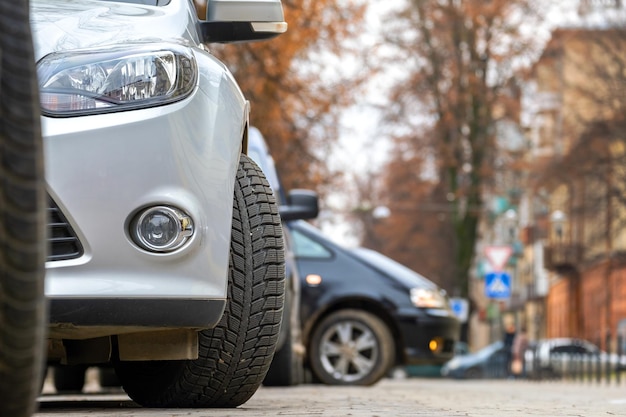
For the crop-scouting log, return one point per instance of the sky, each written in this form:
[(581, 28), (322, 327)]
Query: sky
[(361, 146)]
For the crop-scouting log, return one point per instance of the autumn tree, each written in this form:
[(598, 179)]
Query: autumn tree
[(459, 58), (414, 228), (298, 84)]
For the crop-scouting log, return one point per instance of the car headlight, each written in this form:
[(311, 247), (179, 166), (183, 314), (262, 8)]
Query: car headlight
[(115, 79), (428, 298)]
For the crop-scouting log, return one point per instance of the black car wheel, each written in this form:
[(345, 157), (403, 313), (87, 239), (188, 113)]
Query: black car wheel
[(235, 355), (22, 217), (351, 347)]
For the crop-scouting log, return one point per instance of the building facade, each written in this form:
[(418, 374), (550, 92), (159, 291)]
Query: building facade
[(575, 217)]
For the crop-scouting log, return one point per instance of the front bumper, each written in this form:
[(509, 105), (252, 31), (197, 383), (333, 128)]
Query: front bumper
[(133, 314), (101, 170), (418, 329)]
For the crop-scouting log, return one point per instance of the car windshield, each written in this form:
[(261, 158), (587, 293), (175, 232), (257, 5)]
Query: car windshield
[(392, 268), (305, 247)]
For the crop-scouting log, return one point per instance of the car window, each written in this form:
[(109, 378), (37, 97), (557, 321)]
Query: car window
[(305, 247), (570, 349), (560, 349)]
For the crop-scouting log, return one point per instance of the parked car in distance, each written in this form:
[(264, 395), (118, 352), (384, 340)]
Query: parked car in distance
[(488, 362), (155, 209), (363, 313), (556, 357), (544, 359)]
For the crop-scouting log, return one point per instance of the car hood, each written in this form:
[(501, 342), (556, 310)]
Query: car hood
[(61, 25)]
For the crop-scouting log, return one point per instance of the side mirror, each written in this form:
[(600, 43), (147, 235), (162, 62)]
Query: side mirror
[(301, 205), (229, 21)]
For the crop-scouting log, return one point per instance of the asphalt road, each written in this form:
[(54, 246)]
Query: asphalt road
[(390, 397)]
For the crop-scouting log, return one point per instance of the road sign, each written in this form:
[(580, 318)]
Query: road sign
[(460, 308), (498, 285), (498, 256)]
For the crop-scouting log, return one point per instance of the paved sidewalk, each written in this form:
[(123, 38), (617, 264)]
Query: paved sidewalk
[(389, 398), (423, 397)]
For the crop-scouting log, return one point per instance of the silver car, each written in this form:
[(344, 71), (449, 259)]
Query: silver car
[(165, 243)]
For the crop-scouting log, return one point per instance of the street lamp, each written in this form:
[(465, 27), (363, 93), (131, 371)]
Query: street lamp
[(381, 212)]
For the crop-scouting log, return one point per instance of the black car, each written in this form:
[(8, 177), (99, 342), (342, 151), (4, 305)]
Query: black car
[(556, 357), (363, 313)]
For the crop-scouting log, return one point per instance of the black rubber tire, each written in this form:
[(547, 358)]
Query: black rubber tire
[(23, 313), (234, 356), (380, 357), (69, 378)]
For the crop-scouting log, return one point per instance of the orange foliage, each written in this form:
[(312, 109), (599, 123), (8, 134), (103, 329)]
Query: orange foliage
[(296, 88), (418, 231)]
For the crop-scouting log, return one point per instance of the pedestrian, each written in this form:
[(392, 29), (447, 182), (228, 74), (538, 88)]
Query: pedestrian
[(509, 336), (520, 344)]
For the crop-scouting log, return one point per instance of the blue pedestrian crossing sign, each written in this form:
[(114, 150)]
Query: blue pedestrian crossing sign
[(498, 285)]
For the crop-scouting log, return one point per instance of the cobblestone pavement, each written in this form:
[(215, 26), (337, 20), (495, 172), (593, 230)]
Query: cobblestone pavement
[(391, 397)]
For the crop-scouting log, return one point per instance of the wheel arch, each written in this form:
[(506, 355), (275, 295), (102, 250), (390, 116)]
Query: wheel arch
[(245, 128)]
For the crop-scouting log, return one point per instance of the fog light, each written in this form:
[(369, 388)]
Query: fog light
[(161, 229)]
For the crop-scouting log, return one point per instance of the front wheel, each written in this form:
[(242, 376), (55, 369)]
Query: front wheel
[(351, 347), (235, 355)]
